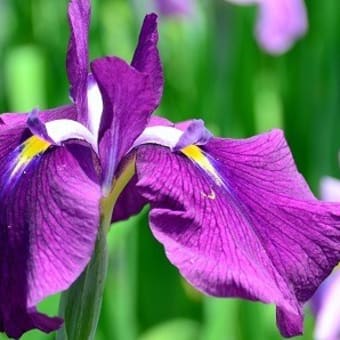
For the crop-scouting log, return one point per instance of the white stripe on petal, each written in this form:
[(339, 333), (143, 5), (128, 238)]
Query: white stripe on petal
[(61, 130), (161, 135), (95, 105)]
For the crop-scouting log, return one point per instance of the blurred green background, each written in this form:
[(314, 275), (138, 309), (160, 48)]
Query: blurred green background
[(214, 70)]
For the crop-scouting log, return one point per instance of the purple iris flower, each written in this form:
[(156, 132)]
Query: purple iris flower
[(280, 23), (234, 216), (326, 301)]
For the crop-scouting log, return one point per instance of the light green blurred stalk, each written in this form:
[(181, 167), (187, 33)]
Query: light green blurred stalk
[(119, 320), (268, 105), (220, 319), (25, 78)]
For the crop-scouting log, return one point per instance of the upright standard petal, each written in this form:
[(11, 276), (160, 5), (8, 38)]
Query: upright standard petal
[(146, 57), (129, 98), (40, 255), (238, 220), (79, 12)]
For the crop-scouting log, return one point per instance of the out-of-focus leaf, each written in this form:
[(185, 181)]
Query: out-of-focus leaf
[(181, 329), (268, 107), (220, 319), (25, 78)]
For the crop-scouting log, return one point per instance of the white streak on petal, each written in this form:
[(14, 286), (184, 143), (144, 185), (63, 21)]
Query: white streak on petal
[(161, 135), (95, 105), (61, 130)]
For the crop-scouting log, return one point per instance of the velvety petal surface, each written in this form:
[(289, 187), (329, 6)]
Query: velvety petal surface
[(49, 203), (129, 99), (79, 12), (237, 219)]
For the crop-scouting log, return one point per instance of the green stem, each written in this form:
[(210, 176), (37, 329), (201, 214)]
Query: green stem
[(80, 305)]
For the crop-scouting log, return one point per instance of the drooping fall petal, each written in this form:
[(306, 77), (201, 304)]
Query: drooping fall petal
[(237, 219), (41, 186)]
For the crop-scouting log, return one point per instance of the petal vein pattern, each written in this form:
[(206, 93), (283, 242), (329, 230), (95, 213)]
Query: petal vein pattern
[(262, 222), (194, 153)]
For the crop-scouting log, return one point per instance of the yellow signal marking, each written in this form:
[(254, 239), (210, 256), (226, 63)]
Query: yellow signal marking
[(196, 154), (31, 148)]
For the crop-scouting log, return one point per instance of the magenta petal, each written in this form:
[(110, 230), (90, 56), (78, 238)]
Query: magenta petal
[(129, 99), (79, 12), (146, 57), (49, 220), (247, 227)]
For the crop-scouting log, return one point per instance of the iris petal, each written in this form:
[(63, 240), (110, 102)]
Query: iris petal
[(258, 234), (60, 130), (39, 255), (161, 132), (129, 99), (146, 57), (77, 55)]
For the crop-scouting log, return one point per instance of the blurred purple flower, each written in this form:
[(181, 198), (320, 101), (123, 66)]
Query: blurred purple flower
[(174, 7), (234, 216), (279, 24), (326, 301), (326, 308), (330, 189)]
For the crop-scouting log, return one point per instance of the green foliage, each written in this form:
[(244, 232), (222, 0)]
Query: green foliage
[(214, 70)]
